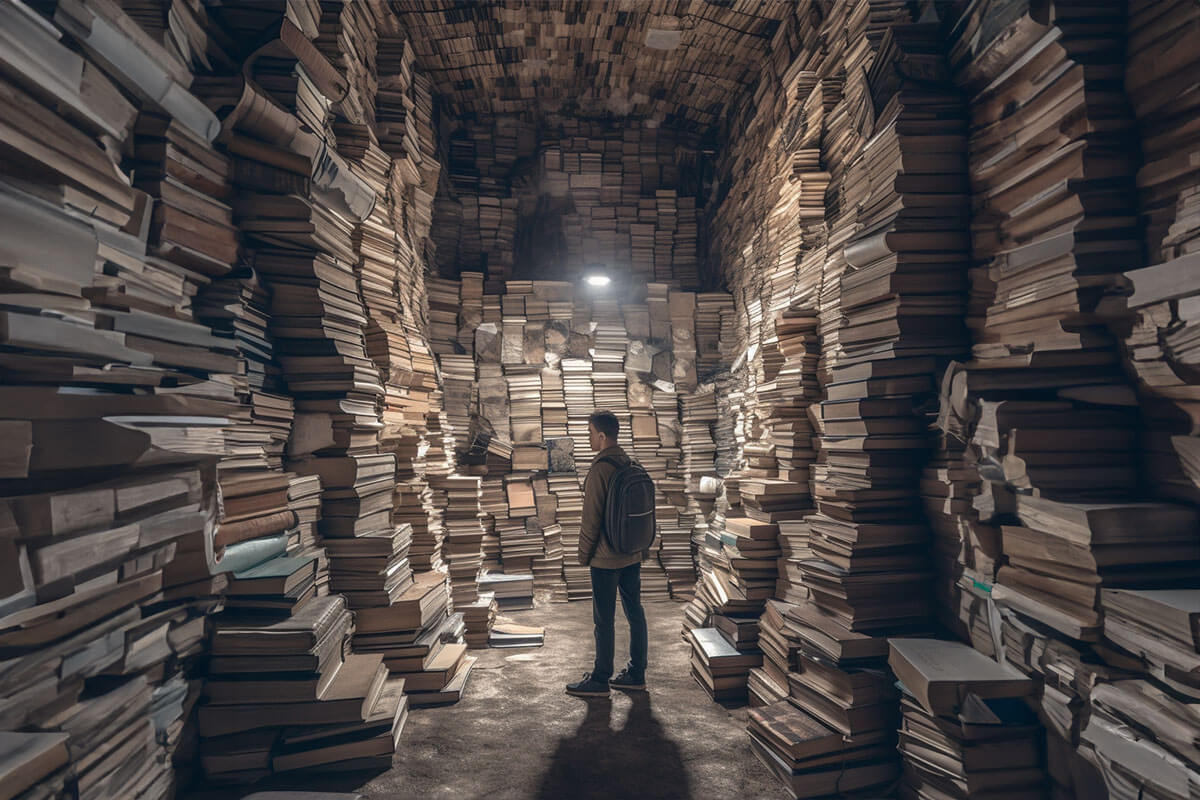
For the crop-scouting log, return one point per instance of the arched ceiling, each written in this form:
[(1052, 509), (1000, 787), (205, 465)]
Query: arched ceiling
[(679, 63)]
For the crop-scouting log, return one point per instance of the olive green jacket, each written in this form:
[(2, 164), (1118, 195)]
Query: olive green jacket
[(593, 546)]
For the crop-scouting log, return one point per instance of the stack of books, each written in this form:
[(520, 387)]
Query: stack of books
[(964, 729), (283, 693), (464, 535), (513, 591), (811, 759), (479, 618), (115, 401), (718, 666)]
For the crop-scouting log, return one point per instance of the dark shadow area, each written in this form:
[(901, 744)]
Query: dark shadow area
[(639, 760)]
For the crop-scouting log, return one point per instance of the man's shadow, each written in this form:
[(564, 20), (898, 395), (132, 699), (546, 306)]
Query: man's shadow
[(639, 760)]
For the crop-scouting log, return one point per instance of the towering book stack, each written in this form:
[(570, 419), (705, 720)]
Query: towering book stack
[(1162, 305), (750, 552), (577, 390), (348, 37), (841, 143), (392, 340), (710, 308), (409, 503), (525, 404), (608, 375), (675, 548), (788, 399), (740, 578), (443, 314), (114, 406), (1040, 336), (548, 567), (861, 568), (458, 379), (372, 570), (464, 536), (966, 550), (1134, 718), (964, 730), (699, 413), (470, 311), (682, 307), (494, 507), (553, 398)]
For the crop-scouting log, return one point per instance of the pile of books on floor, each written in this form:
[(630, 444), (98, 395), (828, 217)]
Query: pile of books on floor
[(513, 592), (769, 683), (964, 729), (507, 635), (479, 618), (719, 665), (439, 676), (410, 631), (283, 692), (811, 759)]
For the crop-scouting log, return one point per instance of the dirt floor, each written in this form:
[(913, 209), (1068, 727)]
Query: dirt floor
[(516, 734)]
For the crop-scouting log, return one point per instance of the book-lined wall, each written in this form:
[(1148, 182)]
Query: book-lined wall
[(591, 197), (968, 462), (224, 427), (522, 372)]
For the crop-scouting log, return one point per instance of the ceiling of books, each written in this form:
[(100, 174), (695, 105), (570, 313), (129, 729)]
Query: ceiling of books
[(679, 63)]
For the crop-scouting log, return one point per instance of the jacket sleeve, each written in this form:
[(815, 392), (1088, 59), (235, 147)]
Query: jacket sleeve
[(593, 514)]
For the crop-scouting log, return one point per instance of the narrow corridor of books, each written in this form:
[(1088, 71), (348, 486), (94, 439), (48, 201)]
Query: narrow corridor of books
[(305, 306)]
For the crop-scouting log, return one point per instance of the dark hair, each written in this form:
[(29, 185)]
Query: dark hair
[(606, 423)]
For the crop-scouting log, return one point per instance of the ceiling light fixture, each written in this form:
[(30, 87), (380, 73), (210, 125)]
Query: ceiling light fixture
[(598, 280)]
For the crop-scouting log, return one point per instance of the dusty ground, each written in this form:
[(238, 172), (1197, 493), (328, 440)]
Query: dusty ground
[(516, 734)]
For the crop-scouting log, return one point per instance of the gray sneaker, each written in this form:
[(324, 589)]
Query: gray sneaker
[(627, 680), (588, 687)]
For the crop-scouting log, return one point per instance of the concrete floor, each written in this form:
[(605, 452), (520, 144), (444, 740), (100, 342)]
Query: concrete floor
[(516, 734)]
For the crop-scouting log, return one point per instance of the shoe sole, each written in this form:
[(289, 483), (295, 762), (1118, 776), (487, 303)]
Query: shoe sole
[(580, 693), (637, 687)]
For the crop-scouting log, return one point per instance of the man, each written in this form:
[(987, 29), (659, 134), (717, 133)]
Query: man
[(611, 571)]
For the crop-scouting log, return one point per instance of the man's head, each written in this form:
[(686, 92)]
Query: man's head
[(602, 430)]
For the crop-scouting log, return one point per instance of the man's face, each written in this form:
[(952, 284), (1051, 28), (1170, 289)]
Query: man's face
[(595, 438)]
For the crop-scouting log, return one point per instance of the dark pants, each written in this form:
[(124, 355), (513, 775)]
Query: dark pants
[(605, 584)]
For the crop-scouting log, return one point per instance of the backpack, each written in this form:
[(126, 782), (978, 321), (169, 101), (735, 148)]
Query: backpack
[(629, 524)]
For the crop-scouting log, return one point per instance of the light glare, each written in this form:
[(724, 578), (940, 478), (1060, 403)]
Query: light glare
[(598, 280)]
